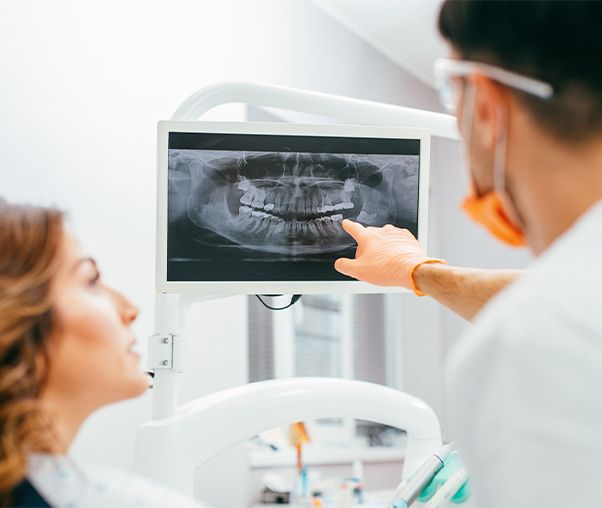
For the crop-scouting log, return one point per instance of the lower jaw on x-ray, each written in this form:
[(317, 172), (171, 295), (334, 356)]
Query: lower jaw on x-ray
[(239, 215)]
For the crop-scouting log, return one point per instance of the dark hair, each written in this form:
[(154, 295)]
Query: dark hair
[(559, 42)]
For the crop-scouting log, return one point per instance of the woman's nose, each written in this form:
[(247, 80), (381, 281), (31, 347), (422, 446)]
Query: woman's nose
[(127, 310), (130, 312)]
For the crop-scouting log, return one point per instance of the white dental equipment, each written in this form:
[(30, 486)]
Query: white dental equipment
[(176, 440), (346, 109), (169, 449)]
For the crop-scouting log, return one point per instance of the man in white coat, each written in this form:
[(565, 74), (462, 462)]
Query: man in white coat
[(525, 383)]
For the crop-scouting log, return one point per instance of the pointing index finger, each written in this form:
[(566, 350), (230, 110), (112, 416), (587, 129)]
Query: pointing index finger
[(355, 229)]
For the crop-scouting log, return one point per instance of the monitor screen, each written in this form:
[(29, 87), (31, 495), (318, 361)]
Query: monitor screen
[(268, 207)]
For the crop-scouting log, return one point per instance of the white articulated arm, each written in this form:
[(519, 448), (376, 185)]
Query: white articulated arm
[(168, 450), (346, 109)]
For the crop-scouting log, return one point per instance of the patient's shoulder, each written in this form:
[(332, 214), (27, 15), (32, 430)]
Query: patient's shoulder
[(25, 495), (64, 482)]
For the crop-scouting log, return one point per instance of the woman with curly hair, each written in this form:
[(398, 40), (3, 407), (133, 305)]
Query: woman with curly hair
[(66, 349)]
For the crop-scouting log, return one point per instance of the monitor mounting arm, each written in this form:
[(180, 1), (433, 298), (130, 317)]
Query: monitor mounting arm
[(347, 109)]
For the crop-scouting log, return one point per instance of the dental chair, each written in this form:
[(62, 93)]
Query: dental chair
[(169, 449)]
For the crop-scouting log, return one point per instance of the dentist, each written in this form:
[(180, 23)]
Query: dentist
[(524, 384)]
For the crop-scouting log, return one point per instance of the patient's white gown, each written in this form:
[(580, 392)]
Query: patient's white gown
[(66, 484)]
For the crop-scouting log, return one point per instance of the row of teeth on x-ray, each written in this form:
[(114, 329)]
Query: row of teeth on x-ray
[(267, 203), (278, 226), (256, 213), (254, 201)]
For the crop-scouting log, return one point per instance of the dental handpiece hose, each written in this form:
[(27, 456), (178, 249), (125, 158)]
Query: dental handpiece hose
[(408, 491)]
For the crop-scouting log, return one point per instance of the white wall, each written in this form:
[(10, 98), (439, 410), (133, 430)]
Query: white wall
[(83, 85)]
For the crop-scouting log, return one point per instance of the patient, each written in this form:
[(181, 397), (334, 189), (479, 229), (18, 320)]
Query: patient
[(66, 349)]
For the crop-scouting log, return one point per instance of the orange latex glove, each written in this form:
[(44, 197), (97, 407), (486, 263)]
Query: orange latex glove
[(385, 256)]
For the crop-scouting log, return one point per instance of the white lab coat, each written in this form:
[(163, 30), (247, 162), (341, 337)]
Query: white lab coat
[(525, 383)]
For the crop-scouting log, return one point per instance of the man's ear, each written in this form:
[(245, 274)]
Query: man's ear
[(489, 110)]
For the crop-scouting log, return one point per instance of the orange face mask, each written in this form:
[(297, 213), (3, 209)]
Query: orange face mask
[(488, 211)]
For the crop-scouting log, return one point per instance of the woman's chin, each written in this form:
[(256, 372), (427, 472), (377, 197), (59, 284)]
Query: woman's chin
[(141, 383), (134, 385)]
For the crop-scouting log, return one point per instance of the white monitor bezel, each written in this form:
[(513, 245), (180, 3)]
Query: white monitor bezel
[(279, 287)]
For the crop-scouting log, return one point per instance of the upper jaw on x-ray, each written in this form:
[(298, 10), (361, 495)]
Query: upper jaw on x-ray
[(287, 203)]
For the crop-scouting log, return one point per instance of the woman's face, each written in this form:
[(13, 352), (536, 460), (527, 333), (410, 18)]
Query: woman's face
[(91, 361)]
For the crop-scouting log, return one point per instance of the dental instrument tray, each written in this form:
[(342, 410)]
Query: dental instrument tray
[(256, 208)]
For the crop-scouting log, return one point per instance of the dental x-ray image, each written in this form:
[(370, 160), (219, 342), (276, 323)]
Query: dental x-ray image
[(238, 215)]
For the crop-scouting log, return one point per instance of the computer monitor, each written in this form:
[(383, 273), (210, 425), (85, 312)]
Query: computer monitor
[(256, 208)]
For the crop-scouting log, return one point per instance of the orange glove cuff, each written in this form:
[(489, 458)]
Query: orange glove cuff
[(417, 291)]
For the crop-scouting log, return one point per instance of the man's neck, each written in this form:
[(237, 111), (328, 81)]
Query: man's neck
[(553, 186)]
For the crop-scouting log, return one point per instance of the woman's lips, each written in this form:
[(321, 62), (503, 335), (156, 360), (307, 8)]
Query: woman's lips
[(133, 348)]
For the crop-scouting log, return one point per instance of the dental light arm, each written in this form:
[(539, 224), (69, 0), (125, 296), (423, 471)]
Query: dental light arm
[(347, 109), (169, 449)]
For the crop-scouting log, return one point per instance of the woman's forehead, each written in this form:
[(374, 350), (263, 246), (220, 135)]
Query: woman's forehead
[(73, 254)]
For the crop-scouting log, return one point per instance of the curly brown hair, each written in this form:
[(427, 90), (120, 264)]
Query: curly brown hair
[(30, 240)]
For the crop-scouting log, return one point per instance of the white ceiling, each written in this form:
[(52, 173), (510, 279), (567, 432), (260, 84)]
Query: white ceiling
[(404, 30)]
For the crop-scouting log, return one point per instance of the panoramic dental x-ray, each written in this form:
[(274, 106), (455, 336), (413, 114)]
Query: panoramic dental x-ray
[(248, 215)]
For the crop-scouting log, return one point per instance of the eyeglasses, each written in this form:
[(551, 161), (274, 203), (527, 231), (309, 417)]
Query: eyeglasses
[(446, 68)]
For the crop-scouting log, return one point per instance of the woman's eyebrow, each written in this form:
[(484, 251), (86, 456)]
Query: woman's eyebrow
[(85, 260)]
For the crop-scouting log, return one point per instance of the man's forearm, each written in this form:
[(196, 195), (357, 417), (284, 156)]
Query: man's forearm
[(463, 290)]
